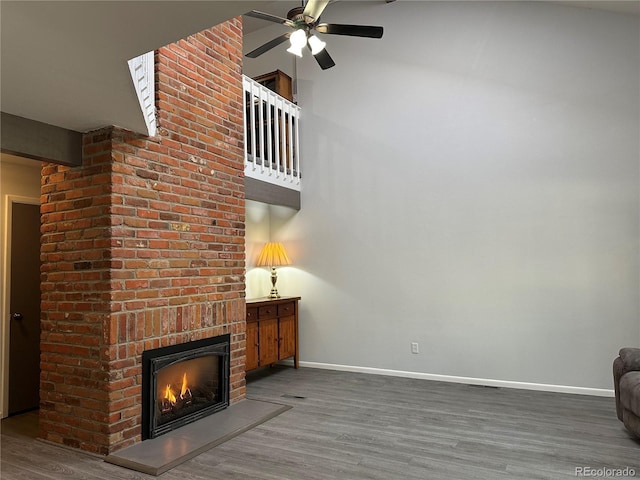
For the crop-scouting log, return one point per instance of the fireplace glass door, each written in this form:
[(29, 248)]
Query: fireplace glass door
[(184, 383)]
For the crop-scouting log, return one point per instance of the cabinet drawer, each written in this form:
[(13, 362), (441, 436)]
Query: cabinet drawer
[(286, 309), (252, 314), (269, 311)]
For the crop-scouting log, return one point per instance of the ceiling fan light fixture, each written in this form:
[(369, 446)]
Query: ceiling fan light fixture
[(298, 38), (297, 51), (303, 21), (316, 45), (298, 41)]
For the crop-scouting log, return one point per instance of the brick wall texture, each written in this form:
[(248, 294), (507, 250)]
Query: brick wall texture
[(143, 246)]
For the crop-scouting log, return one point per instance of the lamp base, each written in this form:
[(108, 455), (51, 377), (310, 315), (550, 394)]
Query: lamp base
[(274, 293), (274, 278)]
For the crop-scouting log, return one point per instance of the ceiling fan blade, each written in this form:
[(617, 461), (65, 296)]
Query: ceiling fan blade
[(270, 18), (268, 46), (324, 59), (367, 31), (314, 8)]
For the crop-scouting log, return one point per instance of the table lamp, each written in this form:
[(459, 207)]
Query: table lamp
[(273, 255)]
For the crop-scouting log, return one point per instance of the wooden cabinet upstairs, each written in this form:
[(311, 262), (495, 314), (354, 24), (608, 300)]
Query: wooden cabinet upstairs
[(278, 82)]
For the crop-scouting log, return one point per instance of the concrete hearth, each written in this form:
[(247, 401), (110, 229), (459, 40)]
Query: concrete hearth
[(157, 455)]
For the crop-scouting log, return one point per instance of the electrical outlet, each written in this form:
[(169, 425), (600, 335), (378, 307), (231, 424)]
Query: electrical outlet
[(414, 347)]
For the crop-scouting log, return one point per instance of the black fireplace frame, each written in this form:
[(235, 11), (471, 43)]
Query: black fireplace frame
[(154, 360)]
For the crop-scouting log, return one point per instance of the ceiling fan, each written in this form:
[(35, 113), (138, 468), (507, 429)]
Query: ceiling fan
[(304, 20)]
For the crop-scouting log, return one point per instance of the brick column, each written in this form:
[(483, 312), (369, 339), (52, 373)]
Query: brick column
[(143, 246)]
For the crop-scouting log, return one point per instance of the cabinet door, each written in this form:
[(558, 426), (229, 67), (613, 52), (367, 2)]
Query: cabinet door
[(268, 341), (287, 337), (252, 345)]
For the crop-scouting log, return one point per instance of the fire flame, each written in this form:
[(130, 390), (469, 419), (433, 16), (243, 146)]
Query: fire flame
[(168, 394), (183, 390), (171, 397)]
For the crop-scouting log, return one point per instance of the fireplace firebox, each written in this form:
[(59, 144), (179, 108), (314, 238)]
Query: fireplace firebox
[(183, 383)]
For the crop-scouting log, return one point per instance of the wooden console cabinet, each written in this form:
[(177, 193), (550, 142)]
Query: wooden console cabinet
[(272, 331)]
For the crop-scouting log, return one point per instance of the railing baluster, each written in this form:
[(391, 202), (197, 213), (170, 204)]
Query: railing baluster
[(276, 128), (283, 137), (268, 127), (296, 151), (261, 124), (253, 125), (289, 174)]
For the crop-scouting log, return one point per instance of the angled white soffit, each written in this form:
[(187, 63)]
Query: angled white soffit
[(65, 62), (142, 70)]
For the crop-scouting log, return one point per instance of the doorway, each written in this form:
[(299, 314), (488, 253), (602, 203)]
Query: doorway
[(24, 308)]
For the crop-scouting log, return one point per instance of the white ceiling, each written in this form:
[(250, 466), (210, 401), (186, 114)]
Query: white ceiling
[(65, 62), (281, 7)]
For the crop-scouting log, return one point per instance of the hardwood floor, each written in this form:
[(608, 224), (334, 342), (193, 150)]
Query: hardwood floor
[(358, 426)]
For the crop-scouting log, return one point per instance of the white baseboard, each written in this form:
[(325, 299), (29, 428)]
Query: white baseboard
[(599, 392)]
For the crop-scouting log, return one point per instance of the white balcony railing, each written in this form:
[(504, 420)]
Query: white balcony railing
[(271, 136)]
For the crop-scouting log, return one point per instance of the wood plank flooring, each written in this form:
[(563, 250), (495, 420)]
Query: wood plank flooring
[(357, 426)]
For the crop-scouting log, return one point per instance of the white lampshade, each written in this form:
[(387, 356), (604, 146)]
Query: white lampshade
[(295, 50), (298, 38), (298, 41), (316, 44)]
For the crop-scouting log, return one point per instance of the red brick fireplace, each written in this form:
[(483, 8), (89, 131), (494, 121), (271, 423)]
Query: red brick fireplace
[(143, 247)]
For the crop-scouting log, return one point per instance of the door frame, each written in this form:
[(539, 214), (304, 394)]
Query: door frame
[(9, 201)]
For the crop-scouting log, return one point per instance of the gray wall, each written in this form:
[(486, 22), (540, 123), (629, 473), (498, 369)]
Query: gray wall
[(471, 183)]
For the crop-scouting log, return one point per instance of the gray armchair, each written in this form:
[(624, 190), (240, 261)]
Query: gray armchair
[(626, 382)]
